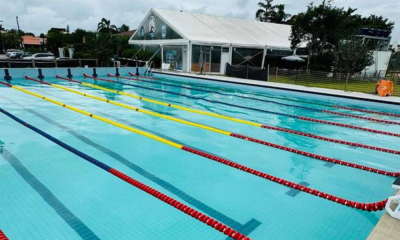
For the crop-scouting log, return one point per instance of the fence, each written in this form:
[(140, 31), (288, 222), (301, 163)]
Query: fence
[(247, 72), (361, 82), (22, 63)]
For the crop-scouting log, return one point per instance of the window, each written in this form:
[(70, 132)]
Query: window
[(155, 28)]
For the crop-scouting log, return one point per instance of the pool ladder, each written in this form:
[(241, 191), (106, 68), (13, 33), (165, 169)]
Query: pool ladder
[(149, 70)]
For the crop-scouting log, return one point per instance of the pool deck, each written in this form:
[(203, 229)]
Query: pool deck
[(290, 87), (388, 228)]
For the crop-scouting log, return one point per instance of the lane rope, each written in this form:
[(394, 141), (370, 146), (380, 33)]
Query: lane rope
[(165, 198), (375, 206), (224, 132), (255, 109), (284, 98), (255, 124), (263, 100), (3, 235)]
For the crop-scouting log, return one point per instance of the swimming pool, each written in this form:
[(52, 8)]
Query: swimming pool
[(50, 193)]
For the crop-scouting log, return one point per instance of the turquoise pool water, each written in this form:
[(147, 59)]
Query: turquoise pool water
[(47, 192)]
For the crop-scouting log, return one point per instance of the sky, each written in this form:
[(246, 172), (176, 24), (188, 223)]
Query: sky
[(38, 16)]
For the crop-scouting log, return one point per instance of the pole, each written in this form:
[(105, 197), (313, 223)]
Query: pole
[(19, 35), (1, 36), (347, 81)]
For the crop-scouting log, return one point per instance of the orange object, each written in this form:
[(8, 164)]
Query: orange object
[(384, 88)]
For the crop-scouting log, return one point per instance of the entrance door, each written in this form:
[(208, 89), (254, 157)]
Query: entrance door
[(224, 59)]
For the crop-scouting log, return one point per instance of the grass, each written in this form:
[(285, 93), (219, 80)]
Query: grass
[(354, 85)]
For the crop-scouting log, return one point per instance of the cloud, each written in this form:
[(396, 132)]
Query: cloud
[(40, 15), (242, 3)]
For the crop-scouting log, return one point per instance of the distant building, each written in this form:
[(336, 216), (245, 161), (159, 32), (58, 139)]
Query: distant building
[(31, 41), (381, 50), (395, 46), (127, 33), (61, 30)]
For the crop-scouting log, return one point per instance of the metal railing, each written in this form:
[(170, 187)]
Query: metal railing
[(362, 82), (22, 63)]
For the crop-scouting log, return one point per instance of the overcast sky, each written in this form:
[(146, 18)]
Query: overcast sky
[(38, 16)]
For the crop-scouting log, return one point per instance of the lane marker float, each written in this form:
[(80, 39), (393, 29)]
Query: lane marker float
[(375, 206), (255, 124), (257, 109), (223, 132), (267, 101), (3, 235), (283, 98), (165, 198)]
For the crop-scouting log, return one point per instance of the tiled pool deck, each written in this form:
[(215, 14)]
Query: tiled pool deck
[(388, 228)]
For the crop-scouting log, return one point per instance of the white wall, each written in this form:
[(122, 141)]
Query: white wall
[(381, 59)]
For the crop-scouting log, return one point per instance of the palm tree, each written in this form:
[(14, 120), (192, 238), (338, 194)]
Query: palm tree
[(106, 27), (271, 13), (123, 28)]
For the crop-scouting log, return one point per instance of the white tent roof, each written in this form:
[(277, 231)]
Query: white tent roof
[(202, 28)]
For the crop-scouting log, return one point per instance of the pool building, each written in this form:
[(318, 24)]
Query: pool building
[(186, 40)]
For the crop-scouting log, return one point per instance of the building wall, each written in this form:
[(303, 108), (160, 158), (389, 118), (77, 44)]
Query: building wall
[(381, 59)]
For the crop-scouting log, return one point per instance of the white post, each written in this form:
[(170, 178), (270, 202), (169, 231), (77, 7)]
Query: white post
[(162, 55), (189, 57), (230, 54), (263, 60)]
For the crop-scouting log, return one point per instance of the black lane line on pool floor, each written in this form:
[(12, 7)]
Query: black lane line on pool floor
[(71, 219), (294, 192), (246, 228)]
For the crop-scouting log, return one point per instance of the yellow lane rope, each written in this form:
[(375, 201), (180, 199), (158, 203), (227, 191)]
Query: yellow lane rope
[(174, 106), (134, 130), (142, 110)]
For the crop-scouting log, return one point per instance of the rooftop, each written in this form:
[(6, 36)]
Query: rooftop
[(127, 33), (203, 28), (30, 40)]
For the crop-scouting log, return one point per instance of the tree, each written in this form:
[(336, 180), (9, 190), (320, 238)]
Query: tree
[(352, 55), (105, 26), (11, 39), (321, 29), (271, 13), (123, 28), (55, 39)]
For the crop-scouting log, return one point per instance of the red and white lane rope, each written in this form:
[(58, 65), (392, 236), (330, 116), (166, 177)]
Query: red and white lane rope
[(3, 236), (288, 99), (255, 109), (254, 123), (264, 100), (172, 202), (258, 141)]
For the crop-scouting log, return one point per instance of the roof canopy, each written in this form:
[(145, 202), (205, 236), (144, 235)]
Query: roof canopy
[(207, 29)]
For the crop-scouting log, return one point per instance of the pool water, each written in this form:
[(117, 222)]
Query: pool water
[(47, 192)]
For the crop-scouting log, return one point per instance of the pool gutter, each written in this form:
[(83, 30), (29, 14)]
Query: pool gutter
[(289, 87)]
